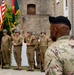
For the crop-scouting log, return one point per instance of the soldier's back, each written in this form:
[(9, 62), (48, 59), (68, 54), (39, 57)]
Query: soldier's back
[(60, 58)]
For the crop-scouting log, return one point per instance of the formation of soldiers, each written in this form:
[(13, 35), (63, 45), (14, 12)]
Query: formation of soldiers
[(33, 43), (58, 59)]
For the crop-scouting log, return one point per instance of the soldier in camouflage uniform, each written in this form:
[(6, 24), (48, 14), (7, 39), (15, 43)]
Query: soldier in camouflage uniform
[(5, 48), (59, 58), (17, 43), (30, 41)]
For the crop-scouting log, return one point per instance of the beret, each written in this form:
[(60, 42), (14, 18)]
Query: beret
[(60, 20)]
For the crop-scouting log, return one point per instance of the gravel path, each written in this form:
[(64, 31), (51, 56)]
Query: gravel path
[(23, 72)]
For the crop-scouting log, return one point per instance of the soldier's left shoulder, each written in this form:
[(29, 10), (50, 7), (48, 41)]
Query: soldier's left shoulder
[(66, 41)]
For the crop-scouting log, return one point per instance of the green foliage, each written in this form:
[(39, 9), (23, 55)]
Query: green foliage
[(7, 21)]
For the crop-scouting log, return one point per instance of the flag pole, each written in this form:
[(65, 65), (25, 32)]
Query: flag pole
[(9, 26), (9, 23), (22, 24)]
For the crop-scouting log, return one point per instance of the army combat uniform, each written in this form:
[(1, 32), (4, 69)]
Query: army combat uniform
[(30, 50), (59, 58), (18, 50), (43, 47), (5, 48)]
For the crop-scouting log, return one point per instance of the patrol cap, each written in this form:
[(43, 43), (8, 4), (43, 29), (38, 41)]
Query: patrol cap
[(60, 20), (30, 32), (4, 31), (43, 32)]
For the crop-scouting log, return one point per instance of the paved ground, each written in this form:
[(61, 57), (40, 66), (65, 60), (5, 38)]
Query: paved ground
[(23, 72)]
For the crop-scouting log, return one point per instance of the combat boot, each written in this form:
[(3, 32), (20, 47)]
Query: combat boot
[(29, 69), (38, 65), (32, 67)]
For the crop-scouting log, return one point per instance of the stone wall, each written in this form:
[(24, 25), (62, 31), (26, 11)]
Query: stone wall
[(40, 21), (42, 6), (73, 11), (37, 23), (59, 8), (71, 14)]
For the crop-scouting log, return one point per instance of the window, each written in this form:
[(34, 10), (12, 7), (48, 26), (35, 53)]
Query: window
[(31, 9)]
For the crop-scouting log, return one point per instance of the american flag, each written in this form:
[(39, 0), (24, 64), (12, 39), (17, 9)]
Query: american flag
[(2, 11)]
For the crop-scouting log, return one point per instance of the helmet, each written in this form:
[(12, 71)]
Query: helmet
[(43, 32), (14, 30), (4, 31), (17, 31), (30, 32)]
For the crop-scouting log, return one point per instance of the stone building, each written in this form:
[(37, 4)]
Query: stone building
[(36, 14), (71, 14), (61, 7), (65, 8)]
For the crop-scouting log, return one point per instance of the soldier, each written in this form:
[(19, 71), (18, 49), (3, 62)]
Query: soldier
[(30, 41), (38, 56), (5, 48), (43, 47), (17, 42), (51, 42), (59, 57)]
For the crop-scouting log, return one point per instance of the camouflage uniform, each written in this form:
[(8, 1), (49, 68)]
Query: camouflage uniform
[(59, 58)]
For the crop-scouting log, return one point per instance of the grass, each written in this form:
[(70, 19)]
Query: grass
[(24, 68)]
